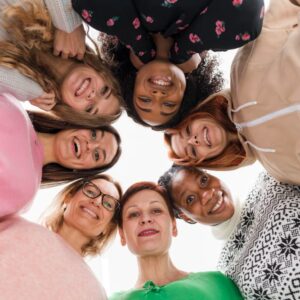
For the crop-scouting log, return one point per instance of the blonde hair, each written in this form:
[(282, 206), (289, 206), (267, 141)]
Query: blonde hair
[(30, 32), (53, 218)]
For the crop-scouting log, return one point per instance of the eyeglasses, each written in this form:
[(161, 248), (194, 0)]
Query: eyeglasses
[(92, 191)]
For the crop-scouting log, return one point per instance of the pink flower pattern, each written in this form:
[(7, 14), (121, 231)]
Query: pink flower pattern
[(136, 23), (111, 22), (194, 38), (220, 27), (237, 2), (87, 15), (190, 38)]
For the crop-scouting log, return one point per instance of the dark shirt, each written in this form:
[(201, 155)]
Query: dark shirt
[(195, 25)]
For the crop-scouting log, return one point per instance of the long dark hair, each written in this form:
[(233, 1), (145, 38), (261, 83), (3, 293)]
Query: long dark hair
[(55, 174)]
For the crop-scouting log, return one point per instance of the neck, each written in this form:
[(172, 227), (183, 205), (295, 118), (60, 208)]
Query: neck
[(58, 67), (159, 269), (47, 140), (73, 237)]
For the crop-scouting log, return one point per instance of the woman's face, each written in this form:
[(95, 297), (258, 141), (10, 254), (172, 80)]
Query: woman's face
[(84, 148), (88, 215), (202, 197), (85, 90), (158, 92), (199, 139), (147, 224)]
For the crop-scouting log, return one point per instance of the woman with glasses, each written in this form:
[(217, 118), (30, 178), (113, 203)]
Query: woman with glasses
[(147, 225), (83, 213)]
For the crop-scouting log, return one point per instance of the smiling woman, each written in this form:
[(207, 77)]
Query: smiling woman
[(83, 92), (83, 213)]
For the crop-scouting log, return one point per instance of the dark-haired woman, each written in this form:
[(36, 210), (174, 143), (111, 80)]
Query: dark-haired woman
[(47, 150), (259, 117), (186, 29)]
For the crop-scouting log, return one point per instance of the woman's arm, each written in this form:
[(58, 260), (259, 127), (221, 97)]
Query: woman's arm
[(223, 25), (120, 19), (24, 89)]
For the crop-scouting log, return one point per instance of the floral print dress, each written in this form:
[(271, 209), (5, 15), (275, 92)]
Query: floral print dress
[(195, 25)]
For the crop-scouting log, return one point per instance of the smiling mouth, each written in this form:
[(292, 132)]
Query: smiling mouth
[(76, 147), (161, 81), (218, 204), (148, 232), (83, 87), (89, 212), (206, 137)]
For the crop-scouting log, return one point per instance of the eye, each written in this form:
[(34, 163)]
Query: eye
[(204, 179), (108, 205), (156, 211), (188, 130), (89, 108), (169, 104), (133, 214), (105, 90), (190, 200), (96, 155), (145, 99), (93, 134)]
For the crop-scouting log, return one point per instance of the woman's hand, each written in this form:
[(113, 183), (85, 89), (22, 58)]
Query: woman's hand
[(45, 102), (69, 44), (137, 63), (190, 65)]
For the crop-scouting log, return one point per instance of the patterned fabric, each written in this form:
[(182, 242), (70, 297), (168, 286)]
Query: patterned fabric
[(195, 25), (262, 254)]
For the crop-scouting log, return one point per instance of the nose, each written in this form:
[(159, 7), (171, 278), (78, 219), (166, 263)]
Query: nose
[(91, 144), (194, 140), (157, 92), (96, 202), (145, 219), (91, 95)]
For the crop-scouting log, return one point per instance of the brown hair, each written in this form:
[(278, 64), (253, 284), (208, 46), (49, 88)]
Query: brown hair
[(215, 109), (54, 174), (54, 218), (31, 32), (140, 186)]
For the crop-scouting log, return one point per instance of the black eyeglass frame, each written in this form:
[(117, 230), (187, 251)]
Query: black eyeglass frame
[(100, 194)]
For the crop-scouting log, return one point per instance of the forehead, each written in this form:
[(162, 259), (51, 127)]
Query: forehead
[(106, 187), (184, 178), (145, 198)]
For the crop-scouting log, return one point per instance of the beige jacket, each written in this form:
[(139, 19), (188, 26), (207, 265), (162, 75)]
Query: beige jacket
[(265, 93)]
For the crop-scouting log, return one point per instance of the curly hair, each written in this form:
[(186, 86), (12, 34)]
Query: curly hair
[(54, 217), (202, 82), (54, 174), (31, 32)]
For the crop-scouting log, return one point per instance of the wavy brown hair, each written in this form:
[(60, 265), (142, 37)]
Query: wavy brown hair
[(31, 32), (215, 109), (55, 174), (54, 217)]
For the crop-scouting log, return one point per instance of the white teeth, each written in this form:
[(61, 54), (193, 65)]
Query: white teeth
[(91, 213), (161, 82), (77, 148), (205, 136), (218, 204), (83, 87)]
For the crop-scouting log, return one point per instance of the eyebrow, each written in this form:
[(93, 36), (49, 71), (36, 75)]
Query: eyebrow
[(166, 114)]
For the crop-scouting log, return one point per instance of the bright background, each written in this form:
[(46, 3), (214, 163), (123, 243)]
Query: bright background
[(144, 157)]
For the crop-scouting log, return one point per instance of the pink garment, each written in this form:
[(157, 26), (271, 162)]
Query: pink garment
[(37, 264), (21, 157)]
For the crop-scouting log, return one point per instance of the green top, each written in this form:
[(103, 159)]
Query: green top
[(196, 286)]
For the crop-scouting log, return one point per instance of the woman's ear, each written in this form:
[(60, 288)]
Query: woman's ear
[(174, 228), (122, 237)]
